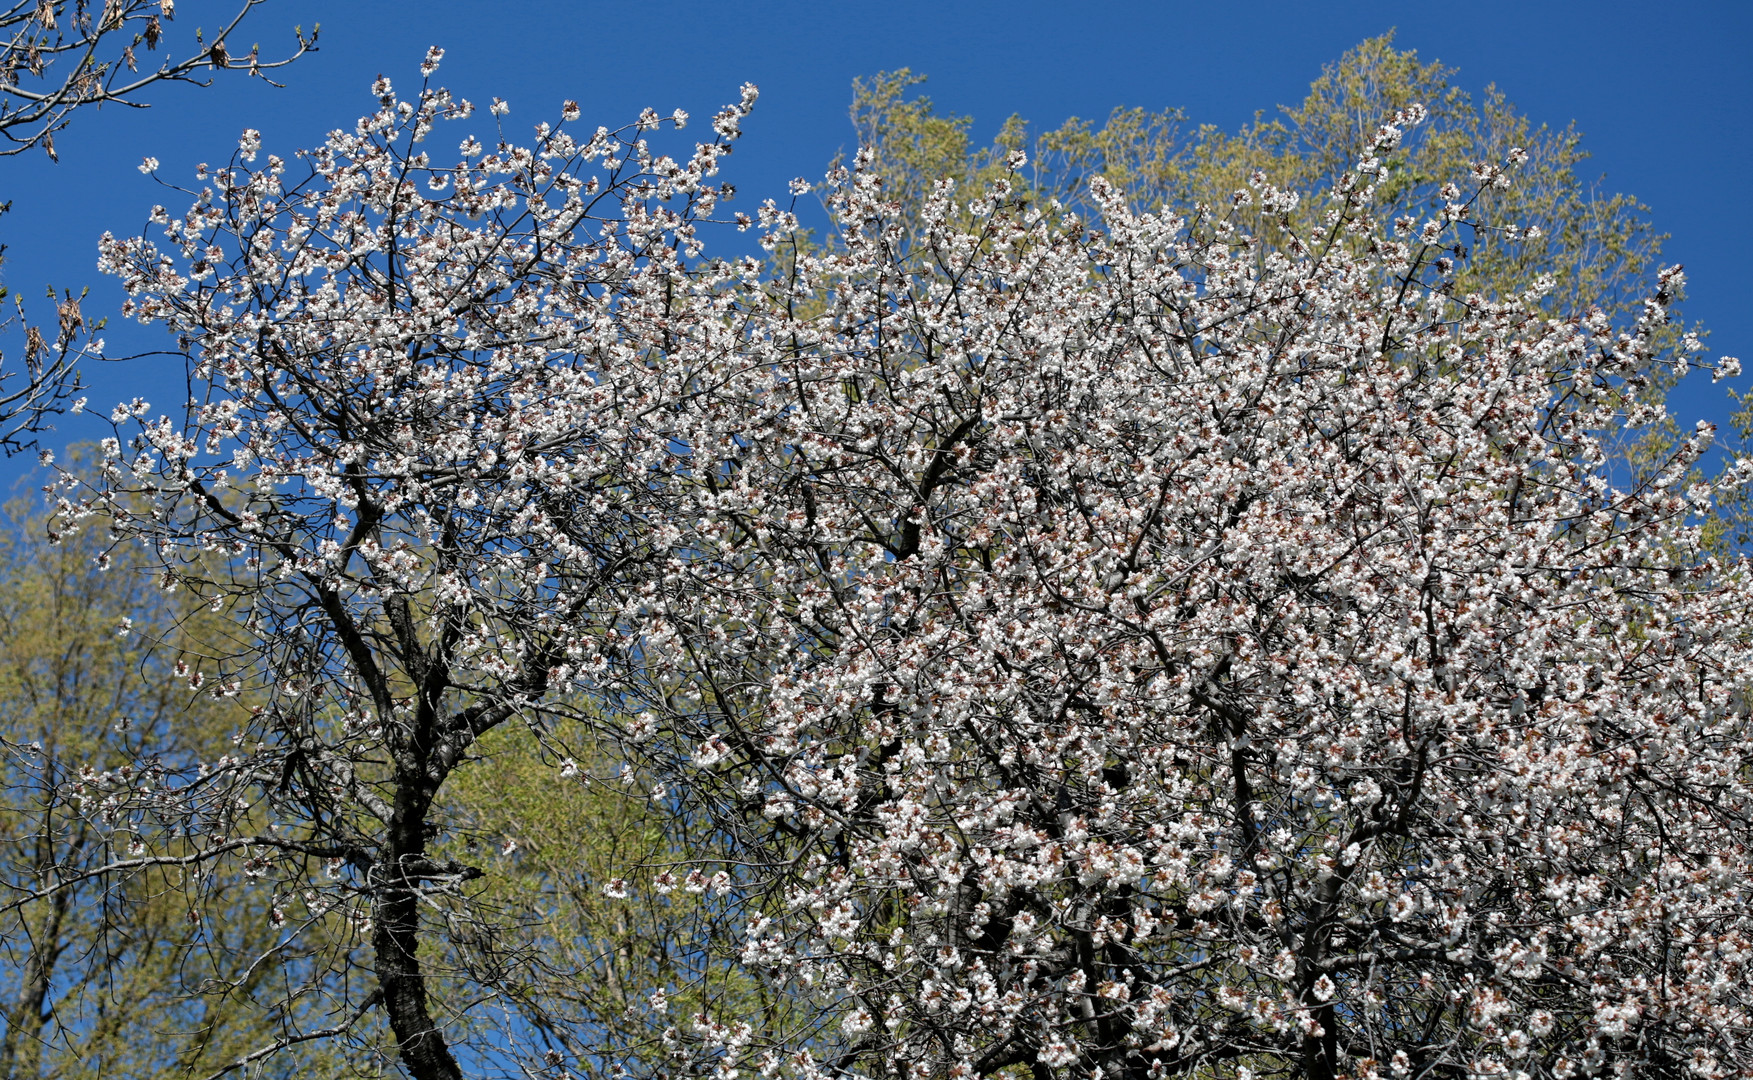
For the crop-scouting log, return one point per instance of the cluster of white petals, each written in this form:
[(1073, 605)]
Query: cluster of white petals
[(1116, 649)]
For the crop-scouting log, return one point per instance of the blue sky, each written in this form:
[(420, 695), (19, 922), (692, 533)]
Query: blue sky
[(1663, 94)]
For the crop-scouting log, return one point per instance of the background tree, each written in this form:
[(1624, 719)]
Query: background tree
[(1601, 249), (589, 911), (109, 975)]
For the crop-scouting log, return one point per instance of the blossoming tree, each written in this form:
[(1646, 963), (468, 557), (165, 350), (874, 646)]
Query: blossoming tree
[(383, 379), (1105, 648), (1171, 653)]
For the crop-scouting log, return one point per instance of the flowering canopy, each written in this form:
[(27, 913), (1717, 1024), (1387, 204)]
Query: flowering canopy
[(426, 523), (1115, 650)]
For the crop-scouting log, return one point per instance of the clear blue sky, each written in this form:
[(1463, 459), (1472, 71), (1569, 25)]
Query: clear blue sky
[(1663, 93)]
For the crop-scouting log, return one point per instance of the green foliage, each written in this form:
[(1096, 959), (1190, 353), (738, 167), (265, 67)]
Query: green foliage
[(574, 946), (112, 976), (1601, 248)]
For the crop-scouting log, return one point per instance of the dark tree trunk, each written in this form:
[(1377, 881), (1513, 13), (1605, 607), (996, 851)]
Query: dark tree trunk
[(397, 940), (1321, 1052)]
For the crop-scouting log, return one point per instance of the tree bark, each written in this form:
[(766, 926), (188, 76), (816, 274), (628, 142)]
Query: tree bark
[(396, 941)]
